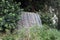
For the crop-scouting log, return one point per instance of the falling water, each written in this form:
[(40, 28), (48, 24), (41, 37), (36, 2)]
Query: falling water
[(29, 19)]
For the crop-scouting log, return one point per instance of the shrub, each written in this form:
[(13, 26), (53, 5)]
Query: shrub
[(37, 33), (8, 37), (47, 18), (9, 14)]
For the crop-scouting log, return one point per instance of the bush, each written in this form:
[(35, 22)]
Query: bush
[(34, 33), (8, 37), (9, 14), (46, 18), (37, 33)]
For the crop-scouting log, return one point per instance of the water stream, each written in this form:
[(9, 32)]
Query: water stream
[(29, 19)]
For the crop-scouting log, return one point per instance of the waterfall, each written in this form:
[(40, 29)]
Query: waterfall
[(29, 19)]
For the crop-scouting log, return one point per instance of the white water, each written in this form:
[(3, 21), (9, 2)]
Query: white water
[(29, 19)]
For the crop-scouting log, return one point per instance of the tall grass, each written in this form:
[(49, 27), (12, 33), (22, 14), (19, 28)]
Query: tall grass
[(35, 33), (38, 33)]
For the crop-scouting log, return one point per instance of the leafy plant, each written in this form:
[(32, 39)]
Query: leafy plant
[(38, 33), (8, 37), (9, 14), (46, 18)]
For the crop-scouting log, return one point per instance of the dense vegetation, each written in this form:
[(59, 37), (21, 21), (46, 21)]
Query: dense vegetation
[(10, 11), (9, 15), (41, 6), (35, 33), (31, 5)]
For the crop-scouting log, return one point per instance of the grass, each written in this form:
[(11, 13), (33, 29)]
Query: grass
[(34, 33)]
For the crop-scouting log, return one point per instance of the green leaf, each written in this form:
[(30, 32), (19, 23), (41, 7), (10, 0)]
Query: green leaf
[(1, 19)]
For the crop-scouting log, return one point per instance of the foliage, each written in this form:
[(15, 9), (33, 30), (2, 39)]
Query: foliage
[(46, 18), (38, 33), (31, 5), (34, 33), (9, 14), (8, 37)]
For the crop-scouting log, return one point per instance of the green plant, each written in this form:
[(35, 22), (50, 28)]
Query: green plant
[(9, 14), (46, 18), (38, 33), (8, 37)]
